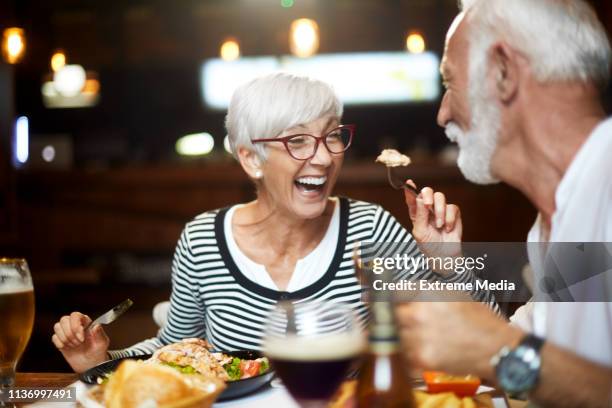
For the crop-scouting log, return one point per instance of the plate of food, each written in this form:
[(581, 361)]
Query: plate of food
[(242, 372)]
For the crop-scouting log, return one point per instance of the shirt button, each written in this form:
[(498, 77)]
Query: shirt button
[(284, 296)]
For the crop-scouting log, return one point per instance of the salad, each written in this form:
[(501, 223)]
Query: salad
[(239, 369)]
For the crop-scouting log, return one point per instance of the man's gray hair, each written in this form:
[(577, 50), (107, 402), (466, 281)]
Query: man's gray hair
[(266, 106), (563, 39)]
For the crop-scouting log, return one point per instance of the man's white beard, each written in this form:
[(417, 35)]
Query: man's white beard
[(476, 146)]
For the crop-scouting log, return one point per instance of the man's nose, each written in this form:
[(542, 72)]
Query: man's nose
[(444, 114)]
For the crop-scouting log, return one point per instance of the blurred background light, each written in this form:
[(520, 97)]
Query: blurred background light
[(304, 37), (226, 144), (58, 61), (91, 87), (69, 80), (230, 50), (48, 153), (13, 44), (415, 43), (22, 140), (195, 144), (366, 78), (287, 3), (59, 92)]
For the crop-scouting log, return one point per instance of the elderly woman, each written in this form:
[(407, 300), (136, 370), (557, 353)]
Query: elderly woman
[(294, 241)]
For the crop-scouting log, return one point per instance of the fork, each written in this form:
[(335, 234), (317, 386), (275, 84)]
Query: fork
[(398, 182)]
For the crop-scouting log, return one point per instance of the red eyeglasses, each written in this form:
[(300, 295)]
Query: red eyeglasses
[(304, 146)]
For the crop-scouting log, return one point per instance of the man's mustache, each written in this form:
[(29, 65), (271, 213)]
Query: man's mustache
[(453, 132)]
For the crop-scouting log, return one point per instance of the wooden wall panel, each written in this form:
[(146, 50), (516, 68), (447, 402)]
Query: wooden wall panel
[(142, 211), (8, 221)]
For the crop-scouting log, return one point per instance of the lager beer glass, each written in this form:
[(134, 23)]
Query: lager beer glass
[(16, 315)]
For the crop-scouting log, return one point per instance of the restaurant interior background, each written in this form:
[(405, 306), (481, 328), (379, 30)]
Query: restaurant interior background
[(98, 203)]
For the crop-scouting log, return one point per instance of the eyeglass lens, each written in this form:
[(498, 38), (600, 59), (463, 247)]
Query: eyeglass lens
[(303, 146)]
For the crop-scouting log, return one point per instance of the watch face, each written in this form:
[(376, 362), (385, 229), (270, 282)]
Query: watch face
[(515, 375)]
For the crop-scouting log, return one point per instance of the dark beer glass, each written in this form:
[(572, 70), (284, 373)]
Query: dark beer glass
[(311, 347)]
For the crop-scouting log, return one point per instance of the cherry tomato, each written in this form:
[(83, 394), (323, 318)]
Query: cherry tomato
[(249, 368)]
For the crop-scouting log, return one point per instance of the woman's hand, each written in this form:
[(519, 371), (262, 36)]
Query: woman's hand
[(81, 348), (433, 219), (436, 225)]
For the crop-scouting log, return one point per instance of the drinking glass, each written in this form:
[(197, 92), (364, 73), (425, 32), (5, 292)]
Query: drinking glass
[(312, 346), (16, 315)]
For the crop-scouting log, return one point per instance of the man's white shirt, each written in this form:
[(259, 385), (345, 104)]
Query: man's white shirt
[(583, 214)]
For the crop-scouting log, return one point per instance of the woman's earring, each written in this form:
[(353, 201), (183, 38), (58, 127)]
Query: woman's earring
[(258, 174)]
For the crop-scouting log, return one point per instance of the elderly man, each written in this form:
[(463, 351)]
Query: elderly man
[(523, 81)]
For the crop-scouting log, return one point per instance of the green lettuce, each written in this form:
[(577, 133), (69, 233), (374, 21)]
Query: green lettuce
[(233, 369), (183, 369), (264, 365)]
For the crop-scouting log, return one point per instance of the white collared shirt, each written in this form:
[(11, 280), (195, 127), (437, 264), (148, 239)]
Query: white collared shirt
[(583, 214), (307, 270)]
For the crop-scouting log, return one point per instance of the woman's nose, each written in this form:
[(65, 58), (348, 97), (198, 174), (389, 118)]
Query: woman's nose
[(322, 156)]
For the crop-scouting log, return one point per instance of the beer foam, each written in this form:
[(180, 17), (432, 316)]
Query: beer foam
[(329, 348), (11, 288)]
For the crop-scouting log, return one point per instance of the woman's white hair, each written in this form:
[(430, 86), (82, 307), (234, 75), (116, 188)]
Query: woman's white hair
[(563, 39), (266, 106)]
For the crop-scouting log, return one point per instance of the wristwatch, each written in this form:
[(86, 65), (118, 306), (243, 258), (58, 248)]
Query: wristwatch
[(518, 369)]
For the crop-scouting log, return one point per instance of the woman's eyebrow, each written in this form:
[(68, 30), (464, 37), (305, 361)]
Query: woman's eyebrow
[(329, 122)]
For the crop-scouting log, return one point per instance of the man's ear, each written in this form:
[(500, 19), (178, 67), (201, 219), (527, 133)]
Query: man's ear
[(503, 63), (250, 162)]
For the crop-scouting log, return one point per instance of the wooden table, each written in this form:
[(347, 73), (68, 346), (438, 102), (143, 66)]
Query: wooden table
[(44, 380), (55, 380), (60, 380)]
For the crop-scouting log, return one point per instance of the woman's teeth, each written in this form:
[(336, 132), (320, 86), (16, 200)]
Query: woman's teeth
[(311, 183)]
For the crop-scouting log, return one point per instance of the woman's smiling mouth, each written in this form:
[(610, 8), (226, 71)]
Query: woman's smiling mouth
[(311, 184)]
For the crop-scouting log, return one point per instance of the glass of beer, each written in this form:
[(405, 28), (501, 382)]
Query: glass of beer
[(312, 346), (16, 315)]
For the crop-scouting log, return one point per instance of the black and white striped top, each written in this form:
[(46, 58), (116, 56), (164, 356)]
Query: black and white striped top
[(212, 299)]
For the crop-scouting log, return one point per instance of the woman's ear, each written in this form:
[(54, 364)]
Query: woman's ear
[(250, 162)]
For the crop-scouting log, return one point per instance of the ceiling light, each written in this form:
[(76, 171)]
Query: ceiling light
[(58, 61), (13, 44), (415, 43), (230, 50), (304, 37)]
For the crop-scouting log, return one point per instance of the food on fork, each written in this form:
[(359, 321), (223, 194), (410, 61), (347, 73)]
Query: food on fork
[(393, 158)]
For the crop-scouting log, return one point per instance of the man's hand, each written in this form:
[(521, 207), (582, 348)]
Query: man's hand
[(456, 337)]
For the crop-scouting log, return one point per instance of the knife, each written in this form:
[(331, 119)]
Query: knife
[(112, 314)]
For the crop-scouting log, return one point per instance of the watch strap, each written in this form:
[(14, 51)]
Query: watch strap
[(532, 341)]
